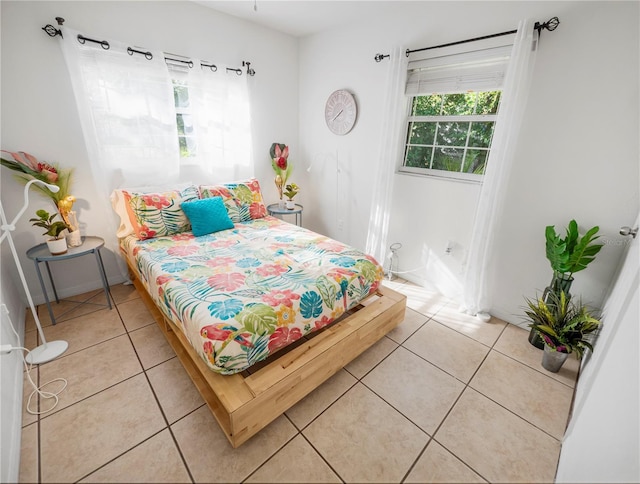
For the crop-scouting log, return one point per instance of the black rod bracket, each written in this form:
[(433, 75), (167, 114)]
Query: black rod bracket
[(51, 30), (380, 57)]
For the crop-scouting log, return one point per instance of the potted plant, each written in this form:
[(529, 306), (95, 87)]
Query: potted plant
[(57, 243), (291, 191), (567, 256), (565, 327)]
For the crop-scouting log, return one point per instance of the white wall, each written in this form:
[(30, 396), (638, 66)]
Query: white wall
[(38, 113), (577, 156)]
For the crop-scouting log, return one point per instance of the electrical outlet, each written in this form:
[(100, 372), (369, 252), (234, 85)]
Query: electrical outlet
[(340, 224)]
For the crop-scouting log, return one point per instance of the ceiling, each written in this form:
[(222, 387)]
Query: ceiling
[(302, 17)]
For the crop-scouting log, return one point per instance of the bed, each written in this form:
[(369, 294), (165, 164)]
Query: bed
[(260, 312)]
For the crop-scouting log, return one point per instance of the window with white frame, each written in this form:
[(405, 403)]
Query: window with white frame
[(187, 140), (453, 108)]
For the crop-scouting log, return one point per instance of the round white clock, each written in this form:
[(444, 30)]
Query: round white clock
[(340, 112)]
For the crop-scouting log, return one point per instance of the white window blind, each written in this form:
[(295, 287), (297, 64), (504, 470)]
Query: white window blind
[(444, 71)]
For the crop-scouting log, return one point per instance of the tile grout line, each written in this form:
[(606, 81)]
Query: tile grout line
[(155, 396)]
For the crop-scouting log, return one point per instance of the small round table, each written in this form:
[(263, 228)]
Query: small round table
[(274, 209), (90, 245)]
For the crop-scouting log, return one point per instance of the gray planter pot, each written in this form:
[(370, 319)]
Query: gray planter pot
[(553, 360)]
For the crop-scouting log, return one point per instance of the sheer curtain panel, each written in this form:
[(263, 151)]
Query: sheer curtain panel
[(392, 144), (477, 293), (125, 107), (220, 104)]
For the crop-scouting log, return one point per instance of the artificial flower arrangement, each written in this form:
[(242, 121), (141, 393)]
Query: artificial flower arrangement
[(28, 167), (291, 190), (279, 161)]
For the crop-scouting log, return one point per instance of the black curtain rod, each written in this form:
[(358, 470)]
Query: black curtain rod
[(51, 31), (549, 25)]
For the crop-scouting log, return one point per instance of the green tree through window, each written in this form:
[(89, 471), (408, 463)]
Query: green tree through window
[(451, 133)]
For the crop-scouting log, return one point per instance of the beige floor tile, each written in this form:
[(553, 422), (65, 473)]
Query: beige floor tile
[(174, 389), (135, 314), (210, 456), (151, 345), (72, 306), (438, 465), (303, 412), (80, 438), (416, 388), (371, 357), (29, 454), (533, 396), (92, 370), (27, 388), (485, 332), (422, 300), (449, 350), (364, 439), (514, 343), (495, 443), (309, 466), (87, 331), (413, 320), (154, 460), (123, 292)]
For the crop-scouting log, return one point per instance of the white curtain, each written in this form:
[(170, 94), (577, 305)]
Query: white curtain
[(390, 151), (477, 296), (220, 104), (126, 108)]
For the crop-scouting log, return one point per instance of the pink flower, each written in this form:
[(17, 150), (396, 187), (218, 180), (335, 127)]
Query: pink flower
[(226, 281), (146, 232), (276, 297), (271, 270), (283, 336), (160, 280), (220, 261), (182, 250), (49, 171), (282, 163), (323, 322), (156, 201), (257, 210)]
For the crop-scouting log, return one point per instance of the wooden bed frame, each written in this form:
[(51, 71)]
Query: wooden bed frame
[(245, 403)]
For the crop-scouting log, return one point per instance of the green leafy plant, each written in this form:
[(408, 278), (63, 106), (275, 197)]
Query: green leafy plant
[(563, 324), (291, 190), (573, 253), (45, 220)]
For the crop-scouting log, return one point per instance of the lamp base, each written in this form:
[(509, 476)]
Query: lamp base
[(46, 352)]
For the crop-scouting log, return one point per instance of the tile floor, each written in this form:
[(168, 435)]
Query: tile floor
[(442, 398)]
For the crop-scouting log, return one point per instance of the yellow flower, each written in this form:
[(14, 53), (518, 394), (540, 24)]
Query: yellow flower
[(286, 315)]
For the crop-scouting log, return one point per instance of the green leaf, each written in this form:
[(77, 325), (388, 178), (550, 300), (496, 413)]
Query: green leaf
[(327, 291), (258, 318)]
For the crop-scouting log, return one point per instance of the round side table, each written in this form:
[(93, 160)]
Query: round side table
[(274, 209), (90, 245)]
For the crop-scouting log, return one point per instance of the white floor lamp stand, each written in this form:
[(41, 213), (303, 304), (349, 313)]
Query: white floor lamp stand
[(47, 351)]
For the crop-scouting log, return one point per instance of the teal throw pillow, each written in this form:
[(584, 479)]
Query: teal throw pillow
[(207, 215)]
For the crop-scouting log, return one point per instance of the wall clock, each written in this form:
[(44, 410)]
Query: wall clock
[(340, 112)]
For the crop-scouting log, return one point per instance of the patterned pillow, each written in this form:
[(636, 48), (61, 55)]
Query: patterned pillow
[(157, 214), (243, 199)]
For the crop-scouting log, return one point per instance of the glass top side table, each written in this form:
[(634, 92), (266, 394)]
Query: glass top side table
[(90, 245), (274, 209)]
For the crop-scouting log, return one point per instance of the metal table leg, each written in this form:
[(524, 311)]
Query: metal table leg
[(55, 293), (105, 283), (44, 290)]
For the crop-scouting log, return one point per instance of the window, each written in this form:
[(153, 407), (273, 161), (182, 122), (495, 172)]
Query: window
[(184, 119), (184, 110), (451, 132), (454, 100)]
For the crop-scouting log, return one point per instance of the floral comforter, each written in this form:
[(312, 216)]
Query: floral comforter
[(241, 294)]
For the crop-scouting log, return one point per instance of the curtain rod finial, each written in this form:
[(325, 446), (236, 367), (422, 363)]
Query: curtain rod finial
[(60, 20)]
